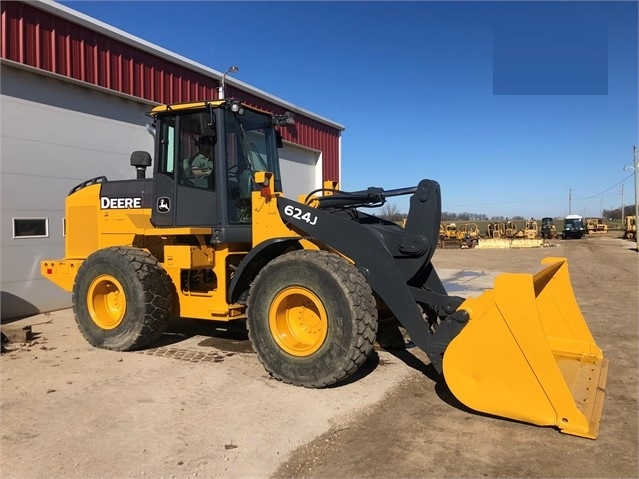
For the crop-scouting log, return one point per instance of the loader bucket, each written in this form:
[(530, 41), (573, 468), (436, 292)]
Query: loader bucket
[(528, 354)]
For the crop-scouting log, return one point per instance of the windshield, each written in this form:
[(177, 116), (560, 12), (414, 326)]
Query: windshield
[(251, 145), (573, 223)]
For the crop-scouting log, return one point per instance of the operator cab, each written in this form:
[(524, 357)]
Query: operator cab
[(206, 156)]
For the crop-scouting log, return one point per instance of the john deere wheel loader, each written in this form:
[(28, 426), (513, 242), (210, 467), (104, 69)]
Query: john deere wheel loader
[(312, 277)]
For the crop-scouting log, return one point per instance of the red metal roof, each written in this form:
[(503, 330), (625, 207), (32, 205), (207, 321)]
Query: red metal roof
[(42, 40)]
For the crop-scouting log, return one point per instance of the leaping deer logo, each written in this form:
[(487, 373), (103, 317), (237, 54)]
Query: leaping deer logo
[(164, 205)]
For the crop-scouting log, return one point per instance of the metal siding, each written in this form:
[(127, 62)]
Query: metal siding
[(39, 39)]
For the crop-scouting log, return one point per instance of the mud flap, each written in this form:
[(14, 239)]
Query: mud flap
[(528, 354)]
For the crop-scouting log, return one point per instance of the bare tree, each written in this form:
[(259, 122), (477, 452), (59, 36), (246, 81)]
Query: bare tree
[(390, 212)]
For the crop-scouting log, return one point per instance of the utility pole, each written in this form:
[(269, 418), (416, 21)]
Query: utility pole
[(569, 201), (635, 168), (622, 207)]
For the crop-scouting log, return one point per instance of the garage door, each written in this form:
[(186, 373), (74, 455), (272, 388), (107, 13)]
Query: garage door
[(301, 170)]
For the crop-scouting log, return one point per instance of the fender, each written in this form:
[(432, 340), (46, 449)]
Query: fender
[(254, 261)]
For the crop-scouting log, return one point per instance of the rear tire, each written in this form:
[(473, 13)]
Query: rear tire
[(122, 298), (311, 318)]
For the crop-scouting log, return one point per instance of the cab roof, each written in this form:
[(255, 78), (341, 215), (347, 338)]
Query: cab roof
[(198, 105)]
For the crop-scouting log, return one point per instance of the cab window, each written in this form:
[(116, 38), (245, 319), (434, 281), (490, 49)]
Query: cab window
[(187, 149)]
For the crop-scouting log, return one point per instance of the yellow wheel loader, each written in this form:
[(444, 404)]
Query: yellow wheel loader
[(630, 227), (311, 277)]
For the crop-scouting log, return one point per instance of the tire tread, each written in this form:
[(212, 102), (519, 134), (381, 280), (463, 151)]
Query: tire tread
[(363, 316), (156, 298)]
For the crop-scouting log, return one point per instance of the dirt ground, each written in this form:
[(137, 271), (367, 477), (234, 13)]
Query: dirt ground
[(199, 404)]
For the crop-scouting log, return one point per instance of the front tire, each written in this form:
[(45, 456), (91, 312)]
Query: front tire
[(122, 298), (311, 318)]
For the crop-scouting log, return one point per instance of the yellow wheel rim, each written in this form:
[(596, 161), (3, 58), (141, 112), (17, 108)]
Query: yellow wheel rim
[(106, 301), (298, 321)]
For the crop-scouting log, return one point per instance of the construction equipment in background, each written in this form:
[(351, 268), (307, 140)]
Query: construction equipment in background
[(511, 230), (548, 229), (450, 231), (448, 236), (596, 226), (496, 230), (573, 227), (468, 234), (312, 277), (531, 229), (472, 231), (513, 237), (630, 227)]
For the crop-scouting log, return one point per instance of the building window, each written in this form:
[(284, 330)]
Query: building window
[(30, 227)]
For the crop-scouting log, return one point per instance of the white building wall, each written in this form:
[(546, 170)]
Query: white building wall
[(53, 136)]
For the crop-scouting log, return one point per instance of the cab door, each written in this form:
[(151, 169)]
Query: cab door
[(180, 199)]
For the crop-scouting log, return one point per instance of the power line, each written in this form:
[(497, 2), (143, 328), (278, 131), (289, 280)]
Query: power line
[(599, 194)]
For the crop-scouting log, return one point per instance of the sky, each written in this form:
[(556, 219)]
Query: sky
[(516, 108)]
